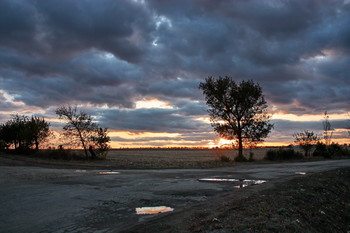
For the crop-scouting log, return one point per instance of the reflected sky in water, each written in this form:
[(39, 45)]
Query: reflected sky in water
[(153, 210)]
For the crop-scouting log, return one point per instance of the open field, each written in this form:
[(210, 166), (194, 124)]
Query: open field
[(181, 155), (152, 158)]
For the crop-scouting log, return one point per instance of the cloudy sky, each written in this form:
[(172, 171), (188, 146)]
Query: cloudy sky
[(136, 65)]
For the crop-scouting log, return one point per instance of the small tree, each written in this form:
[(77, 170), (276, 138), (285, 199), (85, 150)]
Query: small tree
[(39, 130), (237, 110), (101, 140), (327, 130), (81, 127), (306, 140)]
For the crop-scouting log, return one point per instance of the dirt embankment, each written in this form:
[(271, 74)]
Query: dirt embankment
[(313, 203)]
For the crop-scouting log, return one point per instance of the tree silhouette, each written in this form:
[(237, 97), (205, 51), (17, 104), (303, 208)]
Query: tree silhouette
[(237, 110), (23, 133), (80, 126), (101, 140), (327, 129), (39, 130), (306, 140)]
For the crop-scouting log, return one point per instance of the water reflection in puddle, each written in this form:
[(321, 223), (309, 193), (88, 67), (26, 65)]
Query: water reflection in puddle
[(80, 171), (153, 210), (219, 180), (108, 173), (241, 183), (246, 183), (300, 173)]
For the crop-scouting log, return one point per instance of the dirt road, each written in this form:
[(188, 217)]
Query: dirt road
[(41, 199)]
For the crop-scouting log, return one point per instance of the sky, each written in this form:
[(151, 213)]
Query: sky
[(136, 65)]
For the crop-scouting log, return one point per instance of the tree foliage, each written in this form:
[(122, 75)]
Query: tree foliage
[(306, 140), (81, 128), (237, 110), (23, 133)]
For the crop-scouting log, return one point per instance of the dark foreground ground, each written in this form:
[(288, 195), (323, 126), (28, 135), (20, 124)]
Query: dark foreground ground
[(311, 196), (318, 202)]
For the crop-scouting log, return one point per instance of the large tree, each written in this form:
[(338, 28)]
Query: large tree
[(237, 110)]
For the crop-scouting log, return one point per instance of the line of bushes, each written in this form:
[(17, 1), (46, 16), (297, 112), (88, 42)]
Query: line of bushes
[(283, 154), (330, 151)]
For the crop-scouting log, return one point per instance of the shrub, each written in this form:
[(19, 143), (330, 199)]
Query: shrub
[(224, 158), (283, 154), (251, 157), (329, 151), (335, 149), (322, 150), (222, 155), (60, 154), (241, 159)]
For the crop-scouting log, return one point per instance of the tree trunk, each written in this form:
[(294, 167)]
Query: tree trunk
[(240, 142), (82, 142), (85, 150), (92, 152), (240, 145), (36, 144)]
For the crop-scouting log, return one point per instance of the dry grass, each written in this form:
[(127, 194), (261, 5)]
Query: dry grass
[(181, 155), (151, 158)]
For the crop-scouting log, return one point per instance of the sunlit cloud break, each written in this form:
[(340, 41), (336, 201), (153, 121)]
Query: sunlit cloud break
[(136, 65)]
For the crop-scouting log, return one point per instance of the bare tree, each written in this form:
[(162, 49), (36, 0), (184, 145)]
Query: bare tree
[(327, 130), (237, 110), (306, 140), (79, 125)]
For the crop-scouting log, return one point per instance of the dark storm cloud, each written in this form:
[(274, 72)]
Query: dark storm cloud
[(113, 53), (154, 120), (62, 27)]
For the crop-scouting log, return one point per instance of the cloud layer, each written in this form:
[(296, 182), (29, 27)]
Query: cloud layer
[(110, 54)]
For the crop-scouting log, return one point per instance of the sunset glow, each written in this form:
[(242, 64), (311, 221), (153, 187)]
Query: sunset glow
[(138, 74)]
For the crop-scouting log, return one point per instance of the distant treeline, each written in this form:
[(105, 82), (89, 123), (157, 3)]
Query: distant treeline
[(24, 134)]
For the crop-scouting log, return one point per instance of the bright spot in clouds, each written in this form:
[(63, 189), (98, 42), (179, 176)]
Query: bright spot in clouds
[(152, 103)]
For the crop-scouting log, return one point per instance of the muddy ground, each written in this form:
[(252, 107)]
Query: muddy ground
[(314, 203), (295, 198)]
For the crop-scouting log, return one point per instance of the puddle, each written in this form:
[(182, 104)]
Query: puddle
[(300, 173), (153, 210), (108, 173), (218, 180), (246, 183), (240, 186), (241, 183), (255, 181)]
